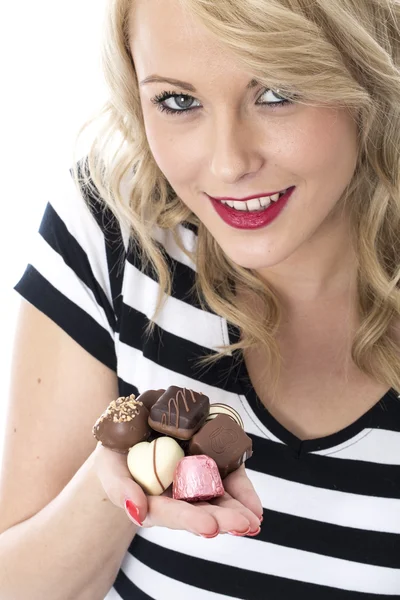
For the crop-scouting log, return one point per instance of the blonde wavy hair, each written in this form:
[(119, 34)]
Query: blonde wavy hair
[(343, 52)]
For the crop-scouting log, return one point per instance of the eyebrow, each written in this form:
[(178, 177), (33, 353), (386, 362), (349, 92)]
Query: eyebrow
[(183, 84)]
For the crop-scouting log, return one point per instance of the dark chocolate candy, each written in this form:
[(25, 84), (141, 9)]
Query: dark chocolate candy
[(154, 435), (150, 397), (123, 424), (179, 412), (223, 440)]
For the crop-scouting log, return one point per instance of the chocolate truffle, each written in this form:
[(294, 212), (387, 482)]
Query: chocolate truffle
[(150, 397), (153, 465), (197, 479), (224, 409), (123, 424), (179, 412), (223, 440)]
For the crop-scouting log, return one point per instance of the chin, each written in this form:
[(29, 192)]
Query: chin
[(254, 261), (261, 252)]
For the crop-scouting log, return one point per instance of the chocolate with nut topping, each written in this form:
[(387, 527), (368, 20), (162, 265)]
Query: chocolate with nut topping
[(123, 424), (223, 440), (179, 412)]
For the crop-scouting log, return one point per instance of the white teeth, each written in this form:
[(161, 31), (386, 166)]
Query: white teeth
[(275, 197), (254, 204), (240, 205), (265, 201)]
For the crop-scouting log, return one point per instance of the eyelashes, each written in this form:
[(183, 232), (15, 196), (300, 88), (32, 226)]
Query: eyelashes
[(160, 99)]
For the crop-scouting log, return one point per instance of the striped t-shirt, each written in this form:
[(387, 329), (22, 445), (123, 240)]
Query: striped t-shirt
[(331, 528)]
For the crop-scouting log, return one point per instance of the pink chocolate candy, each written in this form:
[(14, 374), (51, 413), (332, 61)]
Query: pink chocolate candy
[(197, 479)]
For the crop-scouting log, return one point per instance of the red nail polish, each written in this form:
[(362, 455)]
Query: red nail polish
[(208, 536), (254, 533), (133, 512), (239, 533)]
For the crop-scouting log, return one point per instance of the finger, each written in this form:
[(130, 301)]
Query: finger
[(228, 517), (176, 514), (114, 475), (227, 501), (239, 486)]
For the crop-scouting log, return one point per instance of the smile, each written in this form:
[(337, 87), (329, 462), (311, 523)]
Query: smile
[(254, 205), (254, 213)]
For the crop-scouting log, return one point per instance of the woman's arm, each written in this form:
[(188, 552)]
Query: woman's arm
[(60, 537), (63, 534)]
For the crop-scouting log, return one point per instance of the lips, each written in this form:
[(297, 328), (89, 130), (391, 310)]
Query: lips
[(254, 219)]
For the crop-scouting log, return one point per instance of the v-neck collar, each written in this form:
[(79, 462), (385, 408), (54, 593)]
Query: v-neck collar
[(299, 446)]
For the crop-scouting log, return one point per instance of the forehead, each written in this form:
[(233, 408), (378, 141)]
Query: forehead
[(166, 39)]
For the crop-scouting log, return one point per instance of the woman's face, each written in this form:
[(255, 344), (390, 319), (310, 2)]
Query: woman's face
[(237, 140)]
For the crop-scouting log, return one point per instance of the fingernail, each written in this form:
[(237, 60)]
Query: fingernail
[(254, 533), (239, 533), (209, 536), (133, 512)]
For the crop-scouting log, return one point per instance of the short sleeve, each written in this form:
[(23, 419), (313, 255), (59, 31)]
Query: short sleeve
[(68, 278)]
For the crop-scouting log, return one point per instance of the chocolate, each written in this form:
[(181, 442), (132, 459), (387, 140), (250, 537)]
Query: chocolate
[(123, 424), (154, 435), (223, 440), (150, 397), (224, 409), (197, 479), (179, 412), (153, 465)]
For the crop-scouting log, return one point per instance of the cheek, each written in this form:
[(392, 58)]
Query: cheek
[(175, 156), (324, 148)]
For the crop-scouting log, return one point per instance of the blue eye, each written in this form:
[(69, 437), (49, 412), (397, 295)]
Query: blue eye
[(184, 102)]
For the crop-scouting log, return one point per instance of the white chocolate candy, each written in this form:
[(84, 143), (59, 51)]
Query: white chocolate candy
[(224, 409), (152, 465)]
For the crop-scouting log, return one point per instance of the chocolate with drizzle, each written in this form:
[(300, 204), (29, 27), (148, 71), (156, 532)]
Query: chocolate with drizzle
[(179, 412)]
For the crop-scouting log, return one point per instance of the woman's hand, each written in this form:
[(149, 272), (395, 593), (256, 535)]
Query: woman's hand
[(237, 512)]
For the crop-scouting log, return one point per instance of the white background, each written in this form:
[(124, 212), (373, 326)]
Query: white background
[(51, 82)]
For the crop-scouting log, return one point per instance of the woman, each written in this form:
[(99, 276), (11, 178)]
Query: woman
[(254, 178)]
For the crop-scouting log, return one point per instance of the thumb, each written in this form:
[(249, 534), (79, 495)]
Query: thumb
[(114, 475)]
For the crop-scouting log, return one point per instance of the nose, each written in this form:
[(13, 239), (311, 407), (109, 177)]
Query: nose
[(235, 149)]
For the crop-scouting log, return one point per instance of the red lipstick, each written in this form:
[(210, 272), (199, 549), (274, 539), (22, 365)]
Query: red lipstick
[(251, 219)]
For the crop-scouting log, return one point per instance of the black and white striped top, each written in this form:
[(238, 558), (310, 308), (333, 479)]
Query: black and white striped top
[(331, 528)]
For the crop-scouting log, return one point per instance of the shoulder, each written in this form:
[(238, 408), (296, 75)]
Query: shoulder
[(89, 218), (85, 204)]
